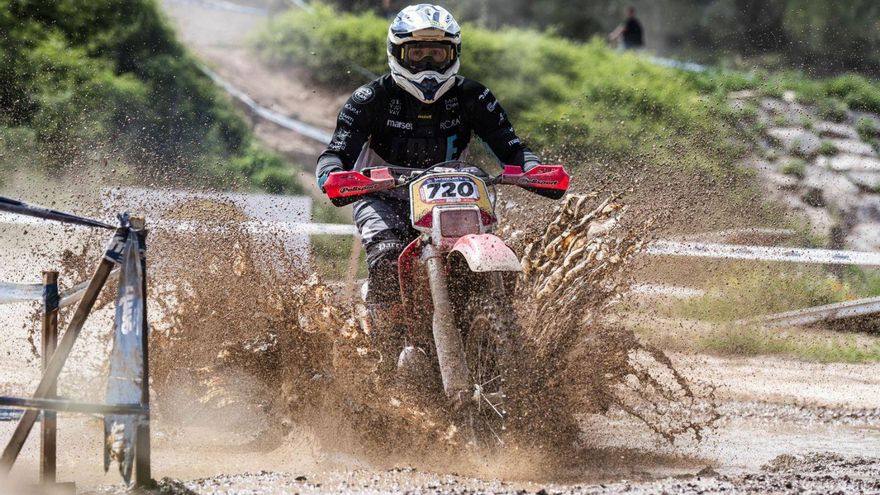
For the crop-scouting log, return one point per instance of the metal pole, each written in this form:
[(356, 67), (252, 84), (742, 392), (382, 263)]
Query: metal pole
[(49, 341), (143, 474)]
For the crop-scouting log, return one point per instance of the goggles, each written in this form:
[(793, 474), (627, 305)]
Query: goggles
[(419, 56)]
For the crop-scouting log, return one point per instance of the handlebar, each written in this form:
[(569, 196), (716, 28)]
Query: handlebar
[(344, 188)]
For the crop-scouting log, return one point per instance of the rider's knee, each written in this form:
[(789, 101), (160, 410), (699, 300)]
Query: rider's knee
[(383, 287)]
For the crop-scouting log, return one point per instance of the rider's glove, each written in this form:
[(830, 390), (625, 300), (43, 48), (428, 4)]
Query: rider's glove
[(530, 161), (323, 178), (327, 164)]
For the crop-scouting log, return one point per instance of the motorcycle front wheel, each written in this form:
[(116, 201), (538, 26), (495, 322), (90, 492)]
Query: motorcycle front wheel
[(487, 325)]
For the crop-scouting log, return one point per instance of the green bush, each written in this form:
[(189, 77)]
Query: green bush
[(109, 75), (795, 167), (827, 148), (867, 129), (583, 97)]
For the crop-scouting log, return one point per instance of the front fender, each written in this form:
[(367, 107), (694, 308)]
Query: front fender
[(486, 253)]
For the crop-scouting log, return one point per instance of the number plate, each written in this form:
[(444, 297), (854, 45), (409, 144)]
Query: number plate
[(455, 189)]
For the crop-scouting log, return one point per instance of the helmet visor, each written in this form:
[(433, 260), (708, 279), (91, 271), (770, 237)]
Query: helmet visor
[(421, 56)]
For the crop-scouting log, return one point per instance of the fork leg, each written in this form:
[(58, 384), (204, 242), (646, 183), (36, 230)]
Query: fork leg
[(447, 338)]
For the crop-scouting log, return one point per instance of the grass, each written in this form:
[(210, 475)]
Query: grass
[(753, 293), (581, 99), (827, 148), (796, 167), (756, 341), (867, 129), (331, 255)]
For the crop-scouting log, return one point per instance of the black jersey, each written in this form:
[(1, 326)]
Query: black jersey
[(383, 124)]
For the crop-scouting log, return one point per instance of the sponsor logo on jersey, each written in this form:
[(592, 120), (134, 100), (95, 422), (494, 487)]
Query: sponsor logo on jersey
[(340, 140), (363, 95), (491, 106), (346, 117), (452, 103), (449, 124), (484, 94), (351, 108), (425, 116), (513, 142), (396, 124), (394, 106)]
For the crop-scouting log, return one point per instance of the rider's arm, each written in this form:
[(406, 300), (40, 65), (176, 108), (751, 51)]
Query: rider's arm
[(353, 126), (491, 124)]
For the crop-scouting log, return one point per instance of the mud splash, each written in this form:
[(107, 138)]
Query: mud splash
[(271, 349)]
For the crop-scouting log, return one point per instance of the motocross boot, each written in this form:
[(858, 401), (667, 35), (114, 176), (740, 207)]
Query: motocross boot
[(386, 330), (414, 370)]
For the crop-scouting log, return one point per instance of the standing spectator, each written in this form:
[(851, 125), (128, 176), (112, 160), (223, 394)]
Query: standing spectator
[(629, 34)]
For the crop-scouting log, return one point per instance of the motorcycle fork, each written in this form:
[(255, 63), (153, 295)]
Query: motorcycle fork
[(447, 338)]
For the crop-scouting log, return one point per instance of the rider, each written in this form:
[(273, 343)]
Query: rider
[(420, 114)]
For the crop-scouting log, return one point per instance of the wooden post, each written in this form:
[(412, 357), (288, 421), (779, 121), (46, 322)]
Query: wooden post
[(59, 357), (143, 470), (49, 342)]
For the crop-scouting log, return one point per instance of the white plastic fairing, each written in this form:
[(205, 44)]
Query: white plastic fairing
[(487, 253)]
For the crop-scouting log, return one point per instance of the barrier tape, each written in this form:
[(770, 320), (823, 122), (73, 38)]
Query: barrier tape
[(762, 253), (294, 125), (15, 293)]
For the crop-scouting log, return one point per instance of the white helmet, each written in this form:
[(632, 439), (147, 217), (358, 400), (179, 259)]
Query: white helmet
[(424, 43)]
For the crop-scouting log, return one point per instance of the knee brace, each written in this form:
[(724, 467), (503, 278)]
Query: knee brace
[(383, 286)]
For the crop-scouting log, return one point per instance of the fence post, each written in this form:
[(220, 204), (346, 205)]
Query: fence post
[(143, 475), (49, 341)]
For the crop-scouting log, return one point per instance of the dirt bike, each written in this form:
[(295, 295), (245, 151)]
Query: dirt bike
[(457, 264)]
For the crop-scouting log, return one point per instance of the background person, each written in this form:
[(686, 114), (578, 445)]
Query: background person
[(629, 34)]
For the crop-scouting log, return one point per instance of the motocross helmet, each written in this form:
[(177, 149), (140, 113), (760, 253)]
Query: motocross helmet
[(424, 44)]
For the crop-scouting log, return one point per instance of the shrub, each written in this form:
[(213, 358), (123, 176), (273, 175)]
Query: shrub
[(109, 75), (867, 129), (796, 167), (583, 97), (827, 148)]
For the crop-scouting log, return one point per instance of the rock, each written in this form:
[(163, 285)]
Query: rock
[(836, 191), (780, 181), (821, 221), (864, 237), (795, 140), (707, 472), (853, 147), (869, 181), (789, 96), (867, 209), (850, 163), (737, 105), (790, 111), (745, 94), (835, 130)]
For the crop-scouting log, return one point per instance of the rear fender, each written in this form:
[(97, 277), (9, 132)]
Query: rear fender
[(486, 253)]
